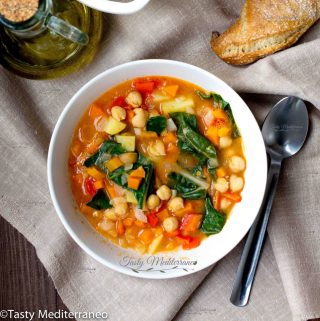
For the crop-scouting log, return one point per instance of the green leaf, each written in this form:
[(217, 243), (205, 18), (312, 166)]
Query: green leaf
[(189, 139), (109, 147), (203, 95), (213, 221), (185, 187), (235, 130), (100, 201), (197, 171), (140, 194), (157, 124)]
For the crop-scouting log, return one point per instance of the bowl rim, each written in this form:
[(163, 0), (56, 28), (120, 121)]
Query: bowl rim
[(50, 163)]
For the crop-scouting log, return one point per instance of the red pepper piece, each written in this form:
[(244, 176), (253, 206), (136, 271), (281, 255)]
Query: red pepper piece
[(89, 186), (152, 219), (143, 86)]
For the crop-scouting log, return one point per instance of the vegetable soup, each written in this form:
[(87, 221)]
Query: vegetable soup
[(156, 164)]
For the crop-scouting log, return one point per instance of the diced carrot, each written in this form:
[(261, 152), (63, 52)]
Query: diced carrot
[(146, 236), (95, 111), (197, 205), (162, 215), (232, 197), (99, 184), (212, 135), (139, 172), (92, 171), (171, 90), (120, 227), (113, 164), (148, 135), (170, 138), (134, 182), (191, 222), (217, 201), (219, 113), (139, 223), (127, 222), (221, 172), (224, 131), (185, 210), (172, 149), (110, 189)]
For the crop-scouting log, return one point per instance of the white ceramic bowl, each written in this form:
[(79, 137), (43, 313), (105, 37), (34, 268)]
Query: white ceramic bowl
[(115, 6), (163, 265)]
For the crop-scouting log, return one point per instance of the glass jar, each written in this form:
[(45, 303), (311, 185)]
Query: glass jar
[(60, 38)]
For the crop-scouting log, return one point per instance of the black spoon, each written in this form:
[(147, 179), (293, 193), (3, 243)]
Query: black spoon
[(284, 132)]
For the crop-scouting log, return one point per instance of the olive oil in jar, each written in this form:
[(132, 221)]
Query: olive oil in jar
[(58, 39)]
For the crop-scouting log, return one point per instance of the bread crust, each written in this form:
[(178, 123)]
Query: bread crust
[(264, 27)]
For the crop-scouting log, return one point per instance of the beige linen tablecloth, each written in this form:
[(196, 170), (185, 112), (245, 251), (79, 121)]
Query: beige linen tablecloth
[(287, 285)]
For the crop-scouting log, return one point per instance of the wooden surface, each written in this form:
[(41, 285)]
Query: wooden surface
[(24, 282)]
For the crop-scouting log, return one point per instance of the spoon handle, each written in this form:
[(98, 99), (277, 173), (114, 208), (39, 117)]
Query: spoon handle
[(252, 249)]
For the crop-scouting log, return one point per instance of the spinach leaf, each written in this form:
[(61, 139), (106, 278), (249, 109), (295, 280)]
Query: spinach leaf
[(223, 105), (189, 139), (119, 177), (100, 201), (142, 192), (157, 124), (235, 129), (197, 171), (213, 221), (109, 147), (185, 187)]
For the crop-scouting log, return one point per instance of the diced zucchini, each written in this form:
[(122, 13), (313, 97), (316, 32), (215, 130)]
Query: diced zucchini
[(131, 198), (127, 142), (177, 105), (113, 126), (155, 244), (159, 96)]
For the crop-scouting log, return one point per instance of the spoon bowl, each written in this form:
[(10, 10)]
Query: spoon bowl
[(285, 128)]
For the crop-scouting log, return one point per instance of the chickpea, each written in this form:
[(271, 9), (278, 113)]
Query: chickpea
[(224, 204), (140, 118), (153, 201), (225, 142), (237, 164), (170, 224), (164, 193), (156, 148), (175, 204), (236, 183), (110, 214), (120, 207), (128, 158), (221, 185), (118, 113), (134, 99)]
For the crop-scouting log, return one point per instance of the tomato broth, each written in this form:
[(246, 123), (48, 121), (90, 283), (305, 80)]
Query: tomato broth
[(157, 164)]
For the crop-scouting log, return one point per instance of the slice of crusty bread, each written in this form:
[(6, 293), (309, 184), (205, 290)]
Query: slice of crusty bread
[(264, 27)]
